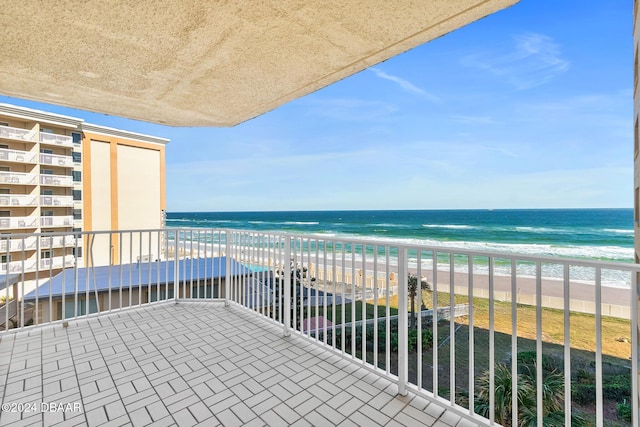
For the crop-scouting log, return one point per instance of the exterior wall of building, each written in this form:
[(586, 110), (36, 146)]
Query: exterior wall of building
[(124, 188), (137, 296), (59, 174), (37, 153)]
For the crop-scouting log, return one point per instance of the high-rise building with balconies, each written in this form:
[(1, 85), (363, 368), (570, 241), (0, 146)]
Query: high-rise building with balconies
[(62, 176)]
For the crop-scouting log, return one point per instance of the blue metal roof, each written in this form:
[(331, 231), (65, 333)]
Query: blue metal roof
[(134, 275)]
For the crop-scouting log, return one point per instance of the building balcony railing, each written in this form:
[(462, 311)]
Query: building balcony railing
[(18, 134), (498, 327), (17, 222), (17, 156), (56, 160), (17, 267), (17, 200), (58, 262), (17, 178), (56, 180), (64, 241), (56, 221), (18, 244), (53, 139), (61, 201)]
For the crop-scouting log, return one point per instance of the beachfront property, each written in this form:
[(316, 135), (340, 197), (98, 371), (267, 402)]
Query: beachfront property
[(60, 176), (223, 361)]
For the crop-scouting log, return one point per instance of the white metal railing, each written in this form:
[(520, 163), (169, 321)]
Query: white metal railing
[(17, 200), (63, 201), (533, 328), (17, 178), (51, 138), (18, 222), (56, 221), (58, 262), (56, 160), (17, 133), (56, 180), (17, 156)]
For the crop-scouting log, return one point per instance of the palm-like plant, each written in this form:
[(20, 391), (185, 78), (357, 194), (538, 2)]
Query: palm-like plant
[(552, 397), (412, 290)]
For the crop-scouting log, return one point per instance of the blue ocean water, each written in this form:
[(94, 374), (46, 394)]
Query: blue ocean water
[(599, 234)]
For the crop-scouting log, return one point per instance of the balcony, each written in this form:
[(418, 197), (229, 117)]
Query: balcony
[(56, 160), (17, 134), (58, 241), (17, 200), (17, 156), (278, 328), (16, 267), (56, 201), (56, 180), (17, 178), (53, 139), (58, 262), (17, 222), (56, 221), (18, 244)]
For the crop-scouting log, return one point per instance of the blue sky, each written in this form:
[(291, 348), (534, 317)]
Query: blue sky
[(531, 107)]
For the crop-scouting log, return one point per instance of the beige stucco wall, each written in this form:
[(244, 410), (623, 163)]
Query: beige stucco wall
[(100, 187), (139, 201)]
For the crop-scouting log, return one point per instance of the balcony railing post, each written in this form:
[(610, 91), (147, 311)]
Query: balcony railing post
[(176, 266), (403, 331), (287, 287), (635, 348), (227, 268)]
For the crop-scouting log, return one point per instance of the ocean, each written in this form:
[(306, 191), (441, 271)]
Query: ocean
[(596, 234)]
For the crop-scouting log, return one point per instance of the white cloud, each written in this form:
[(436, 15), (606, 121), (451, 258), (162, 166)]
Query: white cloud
[(405, 84), (535, 60)]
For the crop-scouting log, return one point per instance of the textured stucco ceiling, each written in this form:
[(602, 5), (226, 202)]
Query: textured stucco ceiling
[(203, 62)]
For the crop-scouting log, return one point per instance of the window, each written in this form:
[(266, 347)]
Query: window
[(76, 137), (45, 254), (5, 191), (78, 254), (4, 214), (77, 157), (163, 294), (69, 310), (46, 213), (46, 151), (77, 214), (77, 194), (3, 258), (77, 176), (46, 171), (4, 124), (46, 192), (5, 169), (5, 146), (77, 229)]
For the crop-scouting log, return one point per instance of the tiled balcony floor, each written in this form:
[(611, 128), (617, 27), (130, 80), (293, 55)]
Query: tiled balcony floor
[(189, 364)]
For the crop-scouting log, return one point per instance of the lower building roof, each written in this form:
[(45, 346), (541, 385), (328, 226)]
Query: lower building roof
[(102, 278)]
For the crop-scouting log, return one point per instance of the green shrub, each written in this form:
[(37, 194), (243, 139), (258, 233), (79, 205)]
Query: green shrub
[(624, 411), (616, 387), (583, 393)]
